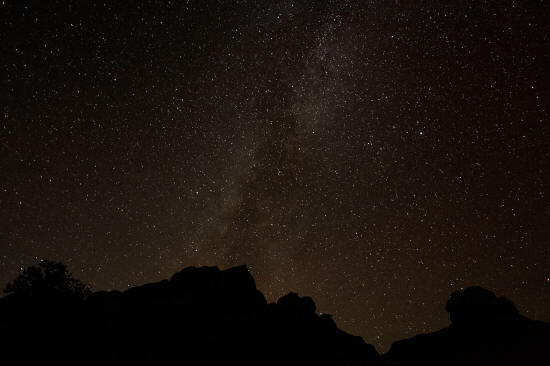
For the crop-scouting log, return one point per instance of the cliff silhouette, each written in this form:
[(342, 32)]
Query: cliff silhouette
[(206, 316), (485, 330), (201, 316)]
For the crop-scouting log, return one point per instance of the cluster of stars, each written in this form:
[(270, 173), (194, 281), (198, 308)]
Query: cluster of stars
[(374, 156)]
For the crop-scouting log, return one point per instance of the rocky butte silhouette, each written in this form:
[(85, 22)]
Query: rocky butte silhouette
[(485, 330), (201, 316), (205, 316)]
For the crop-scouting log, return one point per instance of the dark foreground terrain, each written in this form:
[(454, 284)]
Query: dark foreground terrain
[(204, 316), (484, 330)]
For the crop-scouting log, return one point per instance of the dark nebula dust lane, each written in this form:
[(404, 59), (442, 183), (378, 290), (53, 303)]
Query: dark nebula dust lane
[(375, 156)]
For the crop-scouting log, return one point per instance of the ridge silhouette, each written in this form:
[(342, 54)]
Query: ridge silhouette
[(201, 316), (485, 330), (207, 316)]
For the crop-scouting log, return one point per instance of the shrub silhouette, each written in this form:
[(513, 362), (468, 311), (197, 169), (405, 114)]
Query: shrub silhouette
[(47, 280)]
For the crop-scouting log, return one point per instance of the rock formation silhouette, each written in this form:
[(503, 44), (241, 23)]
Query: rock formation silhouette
[(201, 316), (485, 330), (205, 316)]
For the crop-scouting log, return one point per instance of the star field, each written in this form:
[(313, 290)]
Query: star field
[(375, 156)]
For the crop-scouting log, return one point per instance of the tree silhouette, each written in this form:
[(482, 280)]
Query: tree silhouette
[(47, 280)]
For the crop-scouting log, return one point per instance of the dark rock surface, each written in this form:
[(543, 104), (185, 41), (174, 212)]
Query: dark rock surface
[(485, 330), (201, 316), (205, 316)]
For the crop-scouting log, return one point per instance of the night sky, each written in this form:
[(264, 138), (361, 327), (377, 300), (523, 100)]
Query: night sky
[(374, 155)]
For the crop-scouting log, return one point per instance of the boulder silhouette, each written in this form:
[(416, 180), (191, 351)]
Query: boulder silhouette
[(485, 330), (478, 305), (202, 316), (293, 302)]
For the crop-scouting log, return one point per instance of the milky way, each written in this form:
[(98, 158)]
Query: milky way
[(375, 156)]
